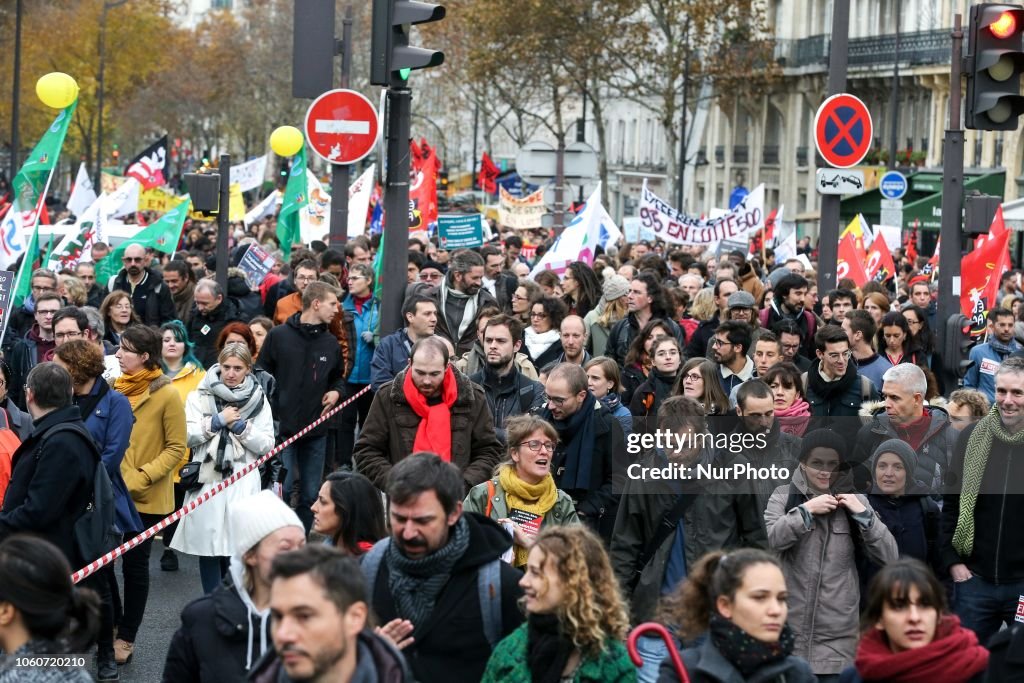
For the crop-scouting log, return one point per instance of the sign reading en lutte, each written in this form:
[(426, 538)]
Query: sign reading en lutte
[(679, 228)]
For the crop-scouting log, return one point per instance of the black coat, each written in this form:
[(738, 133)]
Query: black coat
[(513, 394), (247, 301), (151, 299), (47, 494), (204, 328), (215, 637), (306, 362), (624, 332), (1006, 655), (451, 646)]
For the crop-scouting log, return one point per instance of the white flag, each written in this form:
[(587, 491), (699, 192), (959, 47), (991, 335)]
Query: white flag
[(82, 194), (123, 201), (265, 208), (590, 228), (316, 215), (359, 202), (249, 175)]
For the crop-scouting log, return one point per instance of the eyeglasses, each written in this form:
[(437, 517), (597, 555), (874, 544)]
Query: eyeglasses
[(123, 306), (47, 312), (133, 259), (836, 357), (915, 323), (538, 315), (306, 278), (516, 297), (355, 277), (64, 336), (556, 400), (40, 290), (693, 377), (719, 342), (535, 445)]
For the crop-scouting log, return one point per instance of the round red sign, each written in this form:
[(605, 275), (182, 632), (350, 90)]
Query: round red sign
[(341, 126), (842, 130)]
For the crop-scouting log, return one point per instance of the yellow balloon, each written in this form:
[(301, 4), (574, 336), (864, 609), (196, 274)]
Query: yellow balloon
[(286, 141), (57, 90)]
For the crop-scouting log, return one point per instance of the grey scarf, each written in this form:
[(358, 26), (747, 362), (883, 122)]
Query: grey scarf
[(415, 584), (247, 397)]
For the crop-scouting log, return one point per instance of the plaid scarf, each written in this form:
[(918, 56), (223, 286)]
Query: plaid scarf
[(415, 584)]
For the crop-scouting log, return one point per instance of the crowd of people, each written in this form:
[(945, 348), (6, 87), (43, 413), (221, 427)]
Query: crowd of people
[(528, 468)]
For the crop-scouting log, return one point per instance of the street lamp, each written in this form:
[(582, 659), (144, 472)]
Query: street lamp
[(107, 5)]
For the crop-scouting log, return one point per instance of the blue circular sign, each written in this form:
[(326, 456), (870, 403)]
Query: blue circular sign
[(893, 185)]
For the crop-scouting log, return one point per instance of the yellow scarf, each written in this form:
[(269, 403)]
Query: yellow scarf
[(537, 499), (136, 386)]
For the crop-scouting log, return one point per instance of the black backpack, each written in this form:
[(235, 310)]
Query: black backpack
[(95, 531)]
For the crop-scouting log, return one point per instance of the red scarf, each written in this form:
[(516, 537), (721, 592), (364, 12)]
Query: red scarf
[(914, 432), (953, 657), (435, 431)]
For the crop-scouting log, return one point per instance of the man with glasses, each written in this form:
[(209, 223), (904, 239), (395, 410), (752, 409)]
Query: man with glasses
[(43, 281), (833, 386), (588, 436), (36, 345), (86, 272), (151, 298), (789, 338), (287, 306), (431, 273), (429, 407), (729, 349)]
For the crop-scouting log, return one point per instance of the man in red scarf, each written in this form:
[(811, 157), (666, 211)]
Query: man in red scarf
[(429, 407)]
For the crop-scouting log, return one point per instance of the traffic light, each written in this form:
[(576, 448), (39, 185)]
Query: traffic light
[(958, 345), (389, 41), (115, 154), (994, 65)]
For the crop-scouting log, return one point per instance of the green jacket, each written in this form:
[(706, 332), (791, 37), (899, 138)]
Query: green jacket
[(561, 514), (508, 663)]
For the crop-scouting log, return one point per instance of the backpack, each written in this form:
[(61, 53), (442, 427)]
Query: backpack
[(488, 585), (95, 530)]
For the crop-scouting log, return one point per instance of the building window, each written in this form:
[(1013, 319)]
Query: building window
[(802, 201)]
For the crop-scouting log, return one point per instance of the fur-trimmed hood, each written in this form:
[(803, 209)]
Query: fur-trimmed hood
[(869, 409)]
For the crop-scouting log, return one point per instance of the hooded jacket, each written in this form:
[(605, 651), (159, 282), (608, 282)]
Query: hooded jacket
[(307, 363), (452, 646), (249, 303), (934, 454), (390, 431), (706, 664), (463, 342), (819, 562), (222, 635)]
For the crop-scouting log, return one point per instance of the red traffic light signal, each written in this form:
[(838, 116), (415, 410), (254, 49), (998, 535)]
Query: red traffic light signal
[(995, 63), (1005, 26)]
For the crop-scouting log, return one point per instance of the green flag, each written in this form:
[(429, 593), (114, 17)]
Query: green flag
[(296, 197), (29, 190), (161, 236)]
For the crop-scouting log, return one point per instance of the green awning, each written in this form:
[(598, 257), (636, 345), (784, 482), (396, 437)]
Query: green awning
[(923, 201)]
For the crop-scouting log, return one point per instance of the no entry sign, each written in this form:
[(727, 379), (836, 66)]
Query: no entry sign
[(842, 130), (341, 126)]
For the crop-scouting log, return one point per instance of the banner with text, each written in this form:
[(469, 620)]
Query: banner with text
[(675, 227), (250, 174), (521, 214), (460, 231), (256, 263)]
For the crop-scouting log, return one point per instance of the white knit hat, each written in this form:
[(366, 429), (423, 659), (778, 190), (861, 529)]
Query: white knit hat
[(256, 517)]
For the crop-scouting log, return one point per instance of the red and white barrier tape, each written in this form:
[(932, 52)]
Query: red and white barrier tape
[(103, 561)]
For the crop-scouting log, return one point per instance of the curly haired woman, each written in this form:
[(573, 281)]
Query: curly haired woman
[(576, 618)]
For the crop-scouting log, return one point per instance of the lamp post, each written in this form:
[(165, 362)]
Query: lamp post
[(107, 5)]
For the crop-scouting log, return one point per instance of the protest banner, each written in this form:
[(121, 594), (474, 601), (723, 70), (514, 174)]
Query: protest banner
[(521, 214), (250, 174), (675, 227), (460, 230), (590, 228), (256, 263)]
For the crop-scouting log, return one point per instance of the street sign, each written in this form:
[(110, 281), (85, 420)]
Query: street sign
[(891, 212), (893, 185), (842, 130), (536, 162), (342, 126), (838, 181)]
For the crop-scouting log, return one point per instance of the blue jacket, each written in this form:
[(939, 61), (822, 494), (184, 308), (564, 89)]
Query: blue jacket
[(987, 357), (110, 422), (364, 322), (389, 358)]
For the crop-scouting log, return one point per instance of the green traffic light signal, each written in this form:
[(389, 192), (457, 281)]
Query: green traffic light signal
[(404, 74)]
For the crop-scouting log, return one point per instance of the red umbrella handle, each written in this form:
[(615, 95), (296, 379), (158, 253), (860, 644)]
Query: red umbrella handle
[(660, 630)]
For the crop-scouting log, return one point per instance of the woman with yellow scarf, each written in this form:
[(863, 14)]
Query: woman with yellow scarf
[(522, 494)]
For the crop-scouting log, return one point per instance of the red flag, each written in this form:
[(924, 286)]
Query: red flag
[(423, 190), (995, 231), (910, 246), (44, 215), (879, 264), (488, 175), (979, 279), (851, 261)]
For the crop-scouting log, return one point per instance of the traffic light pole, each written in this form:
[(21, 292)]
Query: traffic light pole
[(223, 221), (828, 241), (948, 303), (340, 177), (396, 207)]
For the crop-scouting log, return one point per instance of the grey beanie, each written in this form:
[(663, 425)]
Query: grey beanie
[(903, 450), (778, 274), (615, 286), (741, 299)]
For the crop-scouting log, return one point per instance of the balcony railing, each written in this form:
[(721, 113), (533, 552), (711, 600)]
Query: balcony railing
[(919, 47)]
